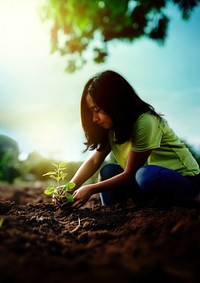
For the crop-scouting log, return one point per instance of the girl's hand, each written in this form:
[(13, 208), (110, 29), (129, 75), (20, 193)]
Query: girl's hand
[(81, 196)]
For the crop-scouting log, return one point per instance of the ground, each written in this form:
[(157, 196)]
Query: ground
[(139, 242)]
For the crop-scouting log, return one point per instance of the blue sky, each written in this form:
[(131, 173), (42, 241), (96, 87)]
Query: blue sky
[(39, 102)]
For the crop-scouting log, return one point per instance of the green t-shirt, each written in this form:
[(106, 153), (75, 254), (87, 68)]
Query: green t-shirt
[(152, 133)]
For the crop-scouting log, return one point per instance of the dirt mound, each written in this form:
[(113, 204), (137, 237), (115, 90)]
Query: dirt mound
[(140, 242)]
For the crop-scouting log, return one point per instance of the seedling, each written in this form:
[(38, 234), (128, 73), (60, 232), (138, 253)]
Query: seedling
[(61, 194)]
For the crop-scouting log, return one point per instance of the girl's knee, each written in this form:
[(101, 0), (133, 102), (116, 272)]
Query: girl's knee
[(147, 177), (110, 170), (141, 178)]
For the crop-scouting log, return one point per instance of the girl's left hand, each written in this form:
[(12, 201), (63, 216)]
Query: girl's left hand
[(81, 196)]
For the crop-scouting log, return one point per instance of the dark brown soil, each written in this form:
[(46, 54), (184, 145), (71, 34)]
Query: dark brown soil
[(140, 242)]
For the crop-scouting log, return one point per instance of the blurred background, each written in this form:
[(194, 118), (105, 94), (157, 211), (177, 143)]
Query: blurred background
[(48, 51)]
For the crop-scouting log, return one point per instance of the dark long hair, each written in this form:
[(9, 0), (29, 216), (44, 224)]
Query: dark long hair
[(114, 95)]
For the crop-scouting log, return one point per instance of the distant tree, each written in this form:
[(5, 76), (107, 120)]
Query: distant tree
[(9, 163), (83, 27), (35, 166)]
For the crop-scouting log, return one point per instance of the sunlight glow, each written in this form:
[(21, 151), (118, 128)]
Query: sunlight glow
[(39, 102), (20, 24)]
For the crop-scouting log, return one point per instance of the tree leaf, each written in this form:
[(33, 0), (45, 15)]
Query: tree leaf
[(110, 20)]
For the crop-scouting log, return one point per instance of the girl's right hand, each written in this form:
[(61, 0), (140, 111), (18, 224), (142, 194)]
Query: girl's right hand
[(81, 196)]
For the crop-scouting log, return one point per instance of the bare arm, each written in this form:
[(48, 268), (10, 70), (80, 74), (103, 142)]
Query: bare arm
[(89, 167), (135, 161)]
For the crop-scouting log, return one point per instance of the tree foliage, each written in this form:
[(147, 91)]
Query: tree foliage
[(9, 163), (84, 27)]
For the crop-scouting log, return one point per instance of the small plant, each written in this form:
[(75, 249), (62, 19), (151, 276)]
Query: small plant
[(61, 194)]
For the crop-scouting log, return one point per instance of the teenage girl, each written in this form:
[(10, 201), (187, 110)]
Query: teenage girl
[(151, 160)]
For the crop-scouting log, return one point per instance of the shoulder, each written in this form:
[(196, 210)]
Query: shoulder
[(147, 126), (147, 132), (147, 120)]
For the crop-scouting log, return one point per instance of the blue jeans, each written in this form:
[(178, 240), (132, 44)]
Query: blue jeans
[(150, 181)]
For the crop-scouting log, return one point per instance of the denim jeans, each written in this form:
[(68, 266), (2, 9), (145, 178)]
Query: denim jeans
[(150, 181)]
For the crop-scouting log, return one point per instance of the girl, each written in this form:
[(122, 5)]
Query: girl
[(151, 159)]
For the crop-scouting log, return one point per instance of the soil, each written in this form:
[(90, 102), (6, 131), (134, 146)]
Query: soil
[(138, 242)]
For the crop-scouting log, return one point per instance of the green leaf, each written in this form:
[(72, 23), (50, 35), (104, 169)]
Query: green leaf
[(70, 186), (49, 190), (62, 165), (49, 173), (69, 197), (57, 178), (63, 175)]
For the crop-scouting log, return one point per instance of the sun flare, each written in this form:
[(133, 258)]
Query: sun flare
[(19, 28)]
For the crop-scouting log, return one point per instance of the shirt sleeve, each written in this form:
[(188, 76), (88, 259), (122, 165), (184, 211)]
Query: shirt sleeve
[(147, 133)]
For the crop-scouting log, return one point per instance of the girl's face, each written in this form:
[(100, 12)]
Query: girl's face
[(98, 116)]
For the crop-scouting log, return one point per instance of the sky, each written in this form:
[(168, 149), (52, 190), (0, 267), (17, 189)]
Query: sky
[(40, 103)]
